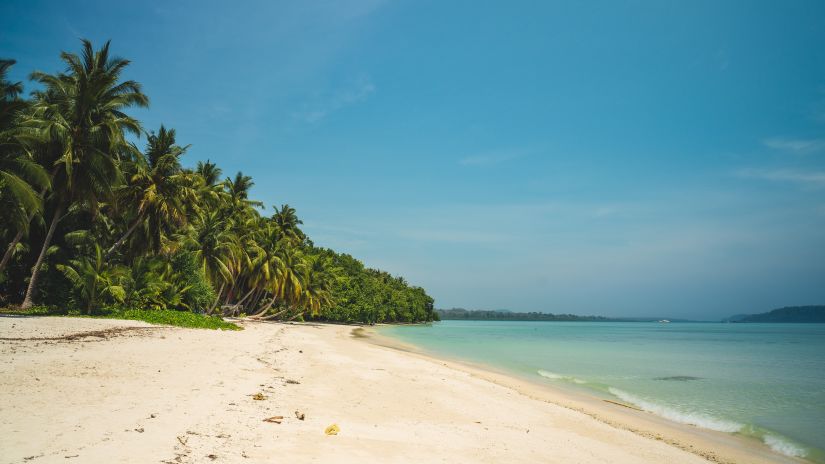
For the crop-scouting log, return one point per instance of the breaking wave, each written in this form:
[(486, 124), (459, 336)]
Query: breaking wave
[(554, 376), (690, 418)]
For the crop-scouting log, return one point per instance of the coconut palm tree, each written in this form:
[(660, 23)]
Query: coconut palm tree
[(93, 280), (286, 221), (20, 174), (81, 111), (210, 172), (10, 102), (214, 247), (316, 285), (158, 191)]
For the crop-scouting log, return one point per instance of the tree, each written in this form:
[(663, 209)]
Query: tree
[(184, 239), (158, 190), (81, 111), (93, 280), (20, 175), (286, 222)]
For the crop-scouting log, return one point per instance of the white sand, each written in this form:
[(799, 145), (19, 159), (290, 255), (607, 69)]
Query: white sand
[(159, 394)]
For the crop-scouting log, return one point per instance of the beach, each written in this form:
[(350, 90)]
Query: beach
[(91, 390)]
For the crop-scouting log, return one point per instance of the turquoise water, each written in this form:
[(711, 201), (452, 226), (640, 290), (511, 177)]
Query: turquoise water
[(766, 381)]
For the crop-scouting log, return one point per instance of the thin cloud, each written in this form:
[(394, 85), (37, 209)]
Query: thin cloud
[(798, 146), (348, 96), (809, 178), (453, 236), (489, 159)]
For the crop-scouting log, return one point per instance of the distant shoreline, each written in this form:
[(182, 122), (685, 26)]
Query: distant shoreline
[(814, 314)]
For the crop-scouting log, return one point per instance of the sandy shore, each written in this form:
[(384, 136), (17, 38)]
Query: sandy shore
[(89, 390)]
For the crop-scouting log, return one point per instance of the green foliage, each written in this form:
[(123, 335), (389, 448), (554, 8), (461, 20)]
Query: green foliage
[(158, 317), (94, 282), (175, 318), (369, 296), (198, 294), (116, 228)]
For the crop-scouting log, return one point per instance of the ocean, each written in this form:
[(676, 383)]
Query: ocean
[(765, 381)]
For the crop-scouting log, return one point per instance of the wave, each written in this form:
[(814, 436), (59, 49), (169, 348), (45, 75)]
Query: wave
[(690, 418), (554, 376), (776, 443), (780, 445)]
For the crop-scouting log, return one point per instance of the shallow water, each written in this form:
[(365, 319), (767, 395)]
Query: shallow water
[(766, 381)]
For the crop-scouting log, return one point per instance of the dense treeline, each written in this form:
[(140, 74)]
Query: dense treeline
[(480, 315), (91, 221)]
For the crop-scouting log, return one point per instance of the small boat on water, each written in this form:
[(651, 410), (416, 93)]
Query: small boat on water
[(664, 321)]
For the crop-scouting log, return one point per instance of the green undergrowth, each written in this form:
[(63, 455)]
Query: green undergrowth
[(152, 316)]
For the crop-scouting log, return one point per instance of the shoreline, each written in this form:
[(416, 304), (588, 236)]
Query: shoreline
[(268, 392), (715, 446)]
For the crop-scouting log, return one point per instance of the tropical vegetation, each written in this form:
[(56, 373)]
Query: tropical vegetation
[(92, 223)]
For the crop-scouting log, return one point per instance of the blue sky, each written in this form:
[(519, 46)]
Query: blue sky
[(617, 158)]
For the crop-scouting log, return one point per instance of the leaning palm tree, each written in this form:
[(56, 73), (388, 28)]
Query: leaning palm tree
[(81, 112), (316, 286), (215, 248), (20, 175), (158, 190)]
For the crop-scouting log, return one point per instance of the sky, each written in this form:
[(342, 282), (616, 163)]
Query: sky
[(635, 158)]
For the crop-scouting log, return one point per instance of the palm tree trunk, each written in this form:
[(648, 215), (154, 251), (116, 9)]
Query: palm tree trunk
[(27, 301), (245, 296), (10, 250), (266, 308), (217, 298), (124, 237), (229, 292), (256, 298), (19, 236), (274, 316), (296, 316)]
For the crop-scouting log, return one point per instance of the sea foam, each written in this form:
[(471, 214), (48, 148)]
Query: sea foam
[(780, 445), (690, 418), (554, 376)]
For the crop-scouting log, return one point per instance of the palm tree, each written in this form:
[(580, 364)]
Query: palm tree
[(10, 103), (19, 173), (214, 247), (210, 172), (93, 280), (287, 222), (211, 188), (81, 111), (316, 283), (158, 190), (286, 285)]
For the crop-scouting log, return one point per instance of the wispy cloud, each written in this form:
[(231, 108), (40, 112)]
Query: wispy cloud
[(489, 159), (792, 145), (453, 236), (349, 95), (808, 178)]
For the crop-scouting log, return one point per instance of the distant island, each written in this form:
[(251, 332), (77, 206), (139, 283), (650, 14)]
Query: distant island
[(504, 315), (790, 314), (462, 314)]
